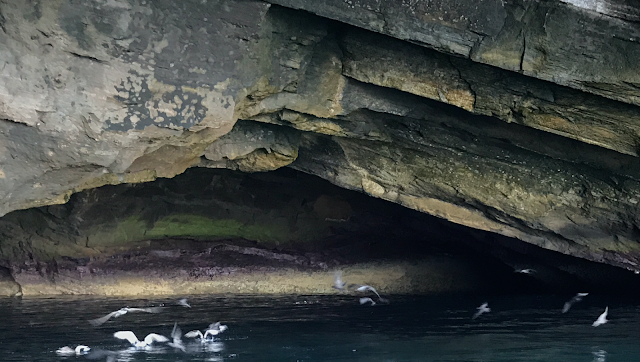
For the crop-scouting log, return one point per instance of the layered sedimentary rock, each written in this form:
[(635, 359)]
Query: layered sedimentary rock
[(221, 231), (517, 118)]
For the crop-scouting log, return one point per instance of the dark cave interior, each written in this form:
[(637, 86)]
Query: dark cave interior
[(287, 214)]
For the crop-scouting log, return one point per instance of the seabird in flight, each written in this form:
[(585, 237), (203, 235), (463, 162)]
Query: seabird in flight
[(602, 319), (578, 297), (484, 308), (122, 311)]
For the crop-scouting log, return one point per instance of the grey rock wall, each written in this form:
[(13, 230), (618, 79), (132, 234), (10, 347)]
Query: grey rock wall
[(513, 117)]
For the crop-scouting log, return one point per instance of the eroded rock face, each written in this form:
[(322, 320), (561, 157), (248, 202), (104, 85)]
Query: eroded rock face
[(8, 285), (96, 92), (220, 231), (498, 116)]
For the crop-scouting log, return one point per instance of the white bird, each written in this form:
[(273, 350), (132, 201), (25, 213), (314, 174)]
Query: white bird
[(176, 335), (578, 297), (213, 330), (525, 271), (484, 308), (364, 288), (68, 351), (122, 311), (337, 281), (183, 302), (367, 300), (147, 342), (602, 319)]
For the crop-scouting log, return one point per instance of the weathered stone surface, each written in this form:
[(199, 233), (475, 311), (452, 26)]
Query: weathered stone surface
[(252, 148), (489, 91), (587, 45), (245, 270), (97, 93), (8, 285), (558, 206), (279, 232)]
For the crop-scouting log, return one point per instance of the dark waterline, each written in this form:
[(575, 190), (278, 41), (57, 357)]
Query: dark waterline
[(333, 328)]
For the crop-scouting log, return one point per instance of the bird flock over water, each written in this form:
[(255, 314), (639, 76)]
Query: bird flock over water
[(151, 340), (602, 319), (207, 337), (341, 285)]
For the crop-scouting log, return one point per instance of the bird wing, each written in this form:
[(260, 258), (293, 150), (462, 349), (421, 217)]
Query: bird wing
[(100, 321), (602, 319), (481, 309), (213, 332), (65, 351), (215, 326), (374, 290), (147, 310), (82, 349), (183, 302), (367, 300), (176, 334), (153, 337), (567, 306), (178, 345), (194, 334), (128, 335), (338, 280)]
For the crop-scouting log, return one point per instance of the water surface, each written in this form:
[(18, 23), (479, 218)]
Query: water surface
[(332, 328)]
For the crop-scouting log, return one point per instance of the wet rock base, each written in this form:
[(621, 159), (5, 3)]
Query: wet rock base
[(188, 267)]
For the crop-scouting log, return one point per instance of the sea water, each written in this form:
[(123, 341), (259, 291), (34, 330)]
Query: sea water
[(331, 328)]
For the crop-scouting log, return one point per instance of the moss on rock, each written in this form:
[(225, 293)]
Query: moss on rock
[(204, 227)]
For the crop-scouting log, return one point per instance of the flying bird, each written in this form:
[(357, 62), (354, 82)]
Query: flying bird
[(525, 271), (337, 281), (213, 330), (122, 311), (484, 308), (147, 342), (176, 335), (68, 351), (573, 301), (183, 302), (602, 319), (364, 288), (367, 300)]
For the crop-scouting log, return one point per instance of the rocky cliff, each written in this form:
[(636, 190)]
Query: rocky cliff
[(518, 118)]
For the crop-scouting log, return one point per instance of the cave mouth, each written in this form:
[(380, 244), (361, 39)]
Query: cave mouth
[(223, 231)]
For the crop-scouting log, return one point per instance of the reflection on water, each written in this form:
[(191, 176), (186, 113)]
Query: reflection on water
[(329, 328), (212, 349), (599, 355)]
